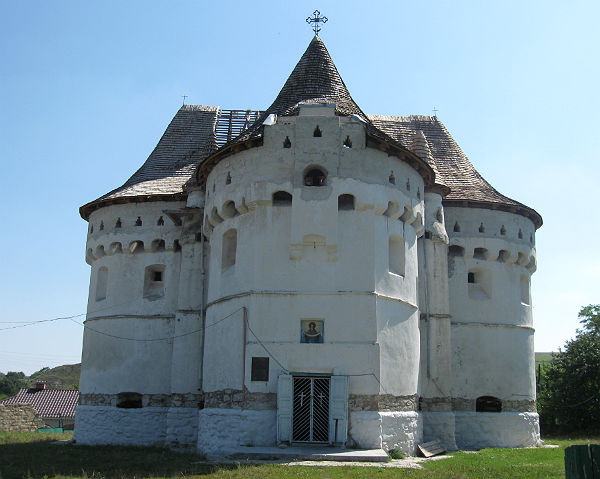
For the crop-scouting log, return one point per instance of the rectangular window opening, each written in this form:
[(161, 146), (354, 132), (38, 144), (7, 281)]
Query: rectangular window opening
[(260, 369)]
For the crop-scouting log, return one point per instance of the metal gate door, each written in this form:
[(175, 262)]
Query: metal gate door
[(310, 420)]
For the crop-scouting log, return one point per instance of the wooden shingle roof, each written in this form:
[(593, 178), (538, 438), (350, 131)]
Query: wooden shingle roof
[(198, 137), (467, 186), (189, 139)]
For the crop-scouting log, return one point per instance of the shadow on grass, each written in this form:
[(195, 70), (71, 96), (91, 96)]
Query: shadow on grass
[(44, 459)]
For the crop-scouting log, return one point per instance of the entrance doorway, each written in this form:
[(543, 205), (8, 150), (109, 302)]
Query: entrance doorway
[(310, 417)]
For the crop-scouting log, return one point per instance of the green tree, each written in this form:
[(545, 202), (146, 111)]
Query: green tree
[(11, 382), (569, 387)]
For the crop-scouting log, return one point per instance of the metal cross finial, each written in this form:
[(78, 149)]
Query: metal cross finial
[(315, 20), (435, 110), (184, 97)]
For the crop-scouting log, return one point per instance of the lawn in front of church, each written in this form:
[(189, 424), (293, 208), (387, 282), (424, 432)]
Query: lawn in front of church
[(33, 456)]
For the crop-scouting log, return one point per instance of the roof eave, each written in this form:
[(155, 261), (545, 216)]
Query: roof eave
[(210, 162), (86, 210), (417, 163), (522, 210)]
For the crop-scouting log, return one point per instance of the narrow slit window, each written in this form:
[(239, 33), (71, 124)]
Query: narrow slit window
[(101, 283), (287, 143), (396, 252), (348, 142), (392, 178), (229, 250), (525, 299), (317, 133)]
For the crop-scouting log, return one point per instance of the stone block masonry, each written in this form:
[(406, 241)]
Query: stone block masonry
[(19, 417)]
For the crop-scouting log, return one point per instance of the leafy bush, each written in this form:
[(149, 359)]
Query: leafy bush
[(568, 398), (396, 454)]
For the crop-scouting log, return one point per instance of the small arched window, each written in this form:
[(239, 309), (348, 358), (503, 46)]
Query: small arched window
[(282, 198), (315, 177), (488, 404), (129, 400), (345, 202)]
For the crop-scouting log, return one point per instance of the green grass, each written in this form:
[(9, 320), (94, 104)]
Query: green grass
[(32, 456)]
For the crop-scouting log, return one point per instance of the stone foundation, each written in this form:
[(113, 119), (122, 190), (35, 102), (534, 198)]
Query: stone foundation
[(148, 400), (381, 402), (387, 430), (238, 399), (476, 430), (468, 405), (440, 425), (222, 430), (148, 426)]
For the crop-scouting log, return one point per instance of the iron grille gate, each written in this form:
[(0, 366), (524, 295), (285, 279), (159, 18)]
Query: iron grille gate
[(310, 420)]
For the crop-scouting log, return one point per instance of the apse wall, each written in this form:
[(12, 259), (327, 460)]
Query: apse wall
[(131, 329), (490, 261), (341, 253)]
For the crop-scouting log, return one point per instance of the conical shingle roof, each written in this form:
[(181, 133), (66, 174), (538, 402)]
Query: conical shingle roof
[(316, 80)]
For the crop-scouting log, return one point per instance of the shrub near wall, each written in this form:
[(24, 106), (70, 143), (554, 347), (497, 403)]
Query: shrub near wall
[(19, 417)]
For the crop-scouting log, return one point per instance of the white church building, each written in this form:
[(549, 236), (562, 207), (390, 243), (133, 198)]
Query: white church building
[(308, 274)]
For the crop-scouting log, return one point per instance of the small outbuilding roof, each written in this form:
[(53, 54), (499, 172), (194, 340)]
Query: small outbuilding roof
[(48, 403)]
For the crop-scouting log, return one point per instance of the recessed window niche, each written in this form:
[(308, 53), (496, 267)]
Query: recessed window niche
[(101, 283), (479, 284), (229, 249), (154, 285), (129, 400), (346, 202), (396, 255), (488, 404), (524, 283), (282, 198)]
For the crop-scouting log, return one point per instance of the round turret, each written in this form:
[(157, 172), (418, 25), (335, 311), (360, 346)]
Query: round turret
[(490, 261)]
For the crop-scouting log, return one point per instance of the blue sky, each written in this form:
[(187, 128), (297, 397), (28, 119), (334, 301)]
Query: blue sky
[(87, 89)]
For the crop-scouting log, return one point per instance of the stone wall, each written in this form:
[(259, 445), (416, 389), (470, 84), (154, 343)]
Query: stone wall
[(19, 417)]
